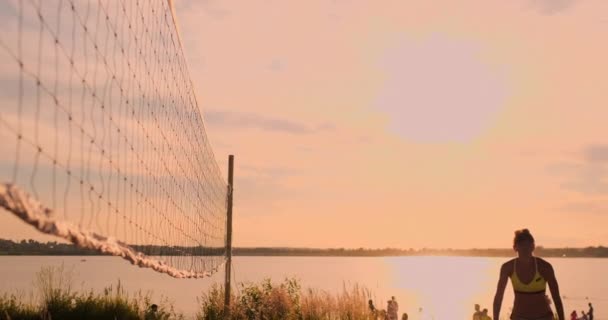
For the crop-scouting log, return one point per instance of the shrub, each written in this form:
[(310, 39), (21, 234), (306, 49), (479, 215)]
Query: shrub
[(285, 301)]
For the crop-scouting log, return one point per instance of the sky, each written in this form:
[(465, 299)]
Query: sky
[(406, 124)]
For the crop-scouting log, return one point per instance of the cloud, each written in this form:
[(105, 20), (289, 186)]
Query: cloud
[(276, 65), (270, 172), (597, 154), (7, 11), (261, 188), (211, 8), (589, 180), (584, 207), (589, 174), (252, 120), (438, 89), (551, 7)]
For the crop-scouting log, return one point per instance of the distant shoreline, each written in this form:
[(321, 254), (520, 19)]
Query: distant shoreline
[(34, 248)]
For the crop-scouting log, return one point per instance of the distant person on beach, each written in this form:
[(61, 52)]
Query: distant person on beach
[(372, 309), (477, 313), (573, 315), (484, 315), (404, 316), (152, 314), (392, 309), (529, 278), (590, 312), (371, 306)]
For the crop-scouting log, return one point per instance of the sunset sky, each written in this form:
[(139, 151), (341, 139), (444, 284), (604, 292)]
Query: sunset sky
[(406, 123)]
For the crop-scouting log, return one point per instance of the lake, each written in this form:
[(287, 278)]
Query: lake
[(425, 287)]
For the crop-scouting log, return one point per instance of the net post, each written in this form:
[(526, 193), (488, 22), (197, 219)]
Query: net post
[(227, 282)]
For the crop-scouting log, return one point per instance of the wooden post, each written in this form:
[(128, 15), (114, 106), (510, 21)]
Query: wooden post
[(227, 283)]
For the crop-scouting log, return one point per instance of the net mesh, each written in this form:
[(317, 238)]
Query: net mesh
[(102, 136)]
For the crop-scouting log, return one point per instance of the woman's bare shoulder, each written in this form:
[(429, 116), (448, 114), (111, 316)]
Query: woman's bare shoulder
[(508, 266), (544, 265)]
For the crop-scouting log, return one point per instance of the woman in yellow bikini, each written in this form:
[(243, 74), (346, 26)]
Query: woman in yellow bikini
[(529, 277)]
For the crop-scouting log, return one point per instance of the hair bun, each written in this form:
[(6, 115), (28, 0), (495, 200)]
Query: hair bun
[(522, 235)]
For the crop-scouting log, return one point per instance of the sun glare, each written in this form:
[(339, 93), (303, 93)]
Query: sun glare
[(445, 287), (439, 89)]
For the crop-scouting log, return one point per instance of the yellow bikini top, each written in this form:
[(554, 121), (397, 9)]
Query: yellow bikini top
[(537, 285)]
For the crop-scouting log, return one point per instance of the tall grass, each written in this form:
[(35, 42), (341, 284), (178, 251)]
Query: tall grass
[(13, 307), (286, 301), (55, 299)]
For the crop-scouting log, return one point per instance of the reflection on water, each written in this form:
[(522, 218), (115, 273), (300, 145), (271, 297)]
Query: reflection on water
[(425, 287), (446, 287)]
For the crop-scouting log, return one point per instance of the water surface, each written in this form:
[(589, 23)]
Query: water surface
[(425, 287)]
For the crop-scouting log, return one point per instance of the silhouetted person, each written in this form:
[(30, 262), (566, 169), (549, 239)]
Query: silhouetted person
[(392, 309), (484, 315), (590, 312), (404, 316), (151, 314), (584, 316), (573, 315), (477, 313), (372, 309), (529, 278)]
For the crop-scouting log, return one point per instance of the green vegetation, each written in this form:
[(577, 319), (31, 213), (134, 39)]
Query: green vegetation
[(32, 247), (286, 301), (55, 299)]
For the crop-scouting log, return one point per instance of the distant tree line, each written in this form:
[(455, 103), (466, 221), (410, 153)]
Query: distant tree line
[(32, 247), (54, 248), (597, 252)]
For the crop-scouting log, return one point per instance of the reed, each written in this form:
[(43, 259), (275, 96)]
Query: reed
[(54, 298), (286, 301)]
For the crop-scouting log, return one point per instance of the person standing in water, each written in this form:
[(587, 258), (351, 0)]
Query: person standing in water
[(484, 315), (477, 313), (590, 312), (392, 309), (371, 306), (529, 277)]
